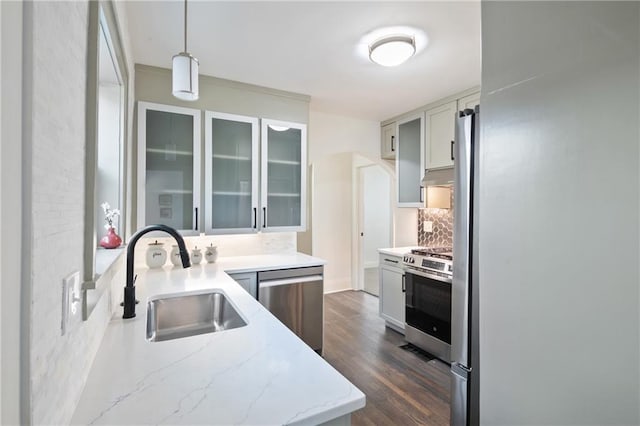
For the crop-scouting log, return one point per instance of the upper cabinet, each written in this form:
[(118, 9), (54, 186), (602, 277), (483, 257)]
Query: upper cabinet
[(283, 176), (440, 133), (469, 101), (169, 166), (254, 172), (388, 146), (231, 173), (409, 161), (422, 140)]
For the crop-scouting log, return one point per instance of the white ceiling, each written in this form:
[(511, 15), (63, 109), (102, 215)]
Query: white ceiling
[(317, 48)]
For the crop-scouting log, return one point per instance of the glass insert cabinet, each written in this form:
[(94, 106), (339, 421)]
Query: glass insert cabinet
[(253, 175), (169, 167)]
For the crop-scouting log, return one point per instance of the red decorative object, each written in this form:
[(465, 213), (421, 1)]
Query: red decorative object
[(111, 240)]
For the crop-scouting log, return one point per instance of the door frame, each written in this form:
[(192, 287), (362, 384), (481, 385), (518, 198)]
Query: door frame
[(357, 272)]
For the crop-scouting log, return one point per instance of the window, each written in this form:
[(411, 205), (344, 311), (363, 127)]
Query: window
[(106, 144)]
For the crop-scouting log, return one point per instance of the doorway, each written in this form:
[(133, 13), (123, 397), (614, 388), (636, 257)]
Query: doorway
[(375, 222)]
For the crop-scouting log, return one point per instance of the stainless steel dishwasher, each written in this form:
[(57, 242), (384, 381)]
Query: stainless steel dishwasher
[(296, 297)]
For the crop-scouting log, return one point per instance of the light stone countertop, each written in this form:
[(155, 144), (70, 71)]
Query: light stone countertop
[(261, 373), (396, 251)]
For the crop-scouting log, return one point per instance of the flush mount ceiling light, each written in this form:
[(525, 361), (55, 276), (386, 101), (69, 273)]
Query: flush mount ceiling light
[(393, 50), (185, 70), (278, 128)]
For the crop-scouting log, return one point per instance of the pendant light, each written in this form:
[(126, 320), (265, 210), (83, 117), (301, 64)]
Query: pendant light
[(185, 70)]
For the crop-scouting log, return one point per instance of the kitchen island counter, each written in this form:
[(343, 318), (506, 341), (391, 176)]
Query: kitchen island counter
[(261, 373)]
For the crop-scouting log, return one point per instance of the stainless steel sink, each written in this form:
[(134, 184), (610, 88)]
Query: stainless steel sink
[(176, 316)]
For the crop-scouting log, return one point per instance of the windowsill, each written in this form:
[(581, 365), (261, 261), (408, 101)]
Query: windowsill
[(105, 258)]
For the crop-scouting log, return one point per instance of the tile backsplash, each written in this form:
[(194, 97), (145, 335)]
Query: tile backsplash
[(442, 234)]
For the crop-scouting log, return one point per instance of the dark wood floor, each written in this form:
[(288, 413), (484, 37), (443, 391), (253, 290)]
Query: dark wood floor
[(401, 387)]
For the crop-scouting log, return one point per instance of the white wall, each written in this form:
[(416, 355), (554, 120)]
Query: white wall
[(331, 138), (10, 211), (55, 70), (332, 141), (331, 134), (332, 212), (559, 280)]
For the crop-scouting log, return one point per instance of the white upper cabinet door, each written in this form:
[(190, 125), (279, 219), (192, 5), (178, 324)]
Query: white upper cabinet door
[(388, 142), (409, 161), (440, 131), (231, 173), (169, 167), (469, 101), (283, 176)]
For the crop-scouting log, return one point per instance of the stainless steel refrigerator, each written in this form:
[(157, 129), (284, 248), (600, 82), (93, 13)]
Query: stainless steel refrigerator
[(465, 374)]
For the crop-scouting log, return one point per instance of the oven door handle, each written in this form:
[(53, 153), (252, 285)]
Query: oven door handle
[(426, 275)]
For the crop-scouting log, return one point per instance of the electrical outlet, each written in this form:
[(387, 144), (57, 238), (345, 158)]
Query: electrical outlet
[(71, 298), (427, 226)]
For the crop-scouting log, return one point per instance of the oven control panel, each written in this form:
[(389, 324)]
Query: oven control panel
[(426, 263)]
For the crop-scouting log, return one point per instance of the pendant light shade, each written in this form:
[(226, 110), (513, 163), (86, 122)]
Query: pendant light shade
[(185, 77), (185, 70)]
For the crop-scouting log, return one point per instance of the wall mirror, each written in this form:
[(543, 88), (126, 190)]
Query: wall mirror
[(107, 94)]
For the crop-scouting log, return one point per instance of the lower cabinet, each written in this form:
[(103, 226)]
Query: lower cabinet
[(392, 296), (248, 281)]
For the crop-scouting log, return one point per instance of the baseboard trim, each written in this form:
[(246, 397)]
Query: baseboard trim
[(340, 290)]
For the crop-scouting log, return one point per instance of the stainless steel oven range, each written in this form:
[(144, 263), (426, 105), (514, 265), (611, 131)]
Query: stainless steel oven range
[(428, 276)]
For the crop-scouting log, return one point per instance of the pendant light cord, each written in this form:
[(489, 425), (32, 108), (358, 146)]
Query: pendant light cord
[(185, 26)]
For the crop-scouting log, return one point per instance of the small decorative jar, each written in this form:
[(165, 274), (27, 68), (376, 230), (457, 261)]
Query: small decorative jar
[(175, 255), (211, 253), (196, 256), (156, 255)]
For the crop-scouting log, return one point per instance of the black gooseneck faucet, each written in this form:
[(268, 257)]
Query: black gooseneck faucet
[(130, 289)]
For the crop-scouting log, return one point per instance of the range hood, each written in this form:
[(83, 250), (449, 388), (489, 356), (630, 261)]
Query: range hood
[(437, 177)]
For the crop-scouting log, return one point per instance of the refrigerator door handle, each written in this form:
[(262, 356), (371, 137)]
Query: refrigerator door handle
[(463, 190)]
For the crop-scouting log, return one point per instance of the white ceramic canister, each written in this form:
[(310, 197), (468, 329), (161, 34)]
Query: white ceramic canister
[(196, 256), (211, 253), (156, 255), (175, 255)]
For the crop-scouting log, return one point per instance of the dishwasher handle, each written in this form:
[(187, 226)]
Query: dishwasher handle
[(289, 281)]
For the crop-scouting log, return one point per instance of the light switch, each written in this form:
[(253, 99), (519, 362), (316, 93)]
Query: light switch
[(427, 226), (71, 298)]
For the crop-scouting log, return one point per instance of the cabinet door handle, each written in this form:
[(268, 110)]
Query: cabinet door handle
[(421, 194), (392, 140), (196, 222), (264, 217), (255, 217), (390, 260), (452, 142), (404, 286)]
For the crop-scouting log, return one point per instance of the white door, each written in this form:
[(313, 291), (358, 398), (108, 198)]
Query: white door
[(375, 222)]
